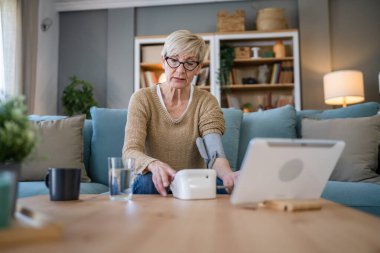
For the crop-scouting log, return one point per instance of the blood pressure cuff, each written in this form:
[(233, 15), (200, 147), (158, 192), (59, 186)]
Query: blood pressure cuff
[(210, 148)]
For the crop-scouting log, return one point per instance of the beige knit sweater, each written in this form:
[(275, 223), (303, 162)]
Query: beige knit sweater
[(151, 134)]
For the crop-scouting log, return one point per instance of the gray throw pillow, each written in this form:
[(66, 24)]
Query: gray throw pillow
[(60, 145), (361, 135)]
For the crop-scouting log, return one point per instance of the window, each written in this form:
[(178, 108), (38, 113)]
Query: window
[(10, 47)]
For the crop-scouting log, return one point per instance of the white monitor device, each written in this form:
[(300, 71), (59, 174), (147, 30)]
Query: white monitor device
[(275, 169)]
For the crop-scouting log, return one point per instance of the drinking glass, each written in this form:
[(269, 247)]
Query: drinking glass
[(121, 176)]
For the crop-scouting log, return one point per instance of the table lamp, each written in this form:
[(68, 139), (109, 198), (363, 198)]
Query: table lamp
[(343, 87)]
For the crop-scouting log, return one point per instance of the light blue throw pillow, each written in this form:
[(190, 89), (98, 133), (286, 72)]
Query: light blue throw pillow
[(230, 139), (87, 135), (108, 126), (274, 123)]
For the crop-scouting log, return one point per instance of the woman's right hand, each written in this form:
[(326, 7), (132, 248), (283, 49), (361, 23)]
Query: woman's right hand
[(162, 175)]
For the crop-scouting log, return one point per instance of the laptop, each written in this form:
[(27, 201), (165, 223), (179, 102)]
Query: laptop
[(275, 169)]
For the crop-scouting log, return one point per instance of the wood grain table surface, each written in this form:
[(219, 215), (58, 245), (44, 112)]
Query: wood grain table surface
[(151, 223)]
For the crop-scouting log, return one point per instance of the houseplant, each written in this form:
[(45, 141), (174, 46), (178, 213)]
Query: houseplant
[(17, 140), (78, 97), (227, 56)]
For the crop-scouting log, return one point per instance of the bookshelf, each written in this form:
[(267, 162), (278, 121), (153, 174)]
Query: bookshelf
[(148, 62), (265, 81), (276, 80)]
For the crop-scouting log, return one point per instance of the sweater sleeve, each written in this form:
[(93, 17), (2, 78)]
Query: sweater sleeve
[(211, 117), (136, 132)]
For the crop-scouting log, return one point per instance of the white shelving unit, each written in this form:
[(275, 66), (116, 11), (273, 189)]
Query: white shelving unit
[(250, 38)]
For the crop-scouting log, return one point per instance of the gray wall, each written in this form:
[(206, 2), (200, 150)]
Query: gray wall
[(355, 34), (120, 57), (200, 18), (335, 34), (315, 50), (98, 45), (83, 51)]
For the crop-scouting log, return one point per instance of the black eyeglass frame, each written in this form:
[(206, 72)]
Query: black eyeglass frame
[(181, 62)]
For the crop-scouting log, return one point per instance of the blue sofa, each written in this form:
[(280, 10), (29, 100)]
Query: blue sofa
[(103, 137)]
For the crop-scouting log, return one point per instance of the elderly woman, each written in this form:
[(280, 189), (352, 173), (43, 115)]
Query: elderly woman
[(164, 121)]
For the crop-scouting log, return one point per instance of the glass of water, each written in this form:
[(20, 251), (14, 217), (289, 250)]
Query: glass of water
[(121, 176)]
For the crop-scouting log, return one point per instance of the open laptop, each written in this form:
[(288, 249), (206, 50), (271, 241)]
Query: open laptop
[(275, 169)]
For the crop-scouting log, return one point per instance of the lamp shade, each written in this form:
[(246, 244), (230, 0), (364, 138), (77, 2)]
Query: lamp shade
[(343, 87)]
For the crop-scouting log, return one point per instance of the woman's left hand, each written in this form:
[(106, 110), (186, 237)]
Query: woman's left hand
[(229, 180)]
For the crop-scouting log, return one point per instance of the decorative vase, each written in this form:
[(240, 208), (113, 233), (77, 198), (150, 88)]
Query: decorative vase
[(279, 49), (5, 198), (255, 52), (13, 174)]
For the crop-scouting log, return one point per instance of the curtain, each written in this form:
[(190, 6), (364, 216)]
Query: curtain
[(29, 51), (10, 48)]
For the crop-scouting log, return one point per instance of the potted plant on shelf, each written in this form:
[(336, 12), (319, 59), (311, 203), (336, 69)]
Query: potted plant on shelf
[(247, 107), (78, 97), (227, 56), (17, 140)]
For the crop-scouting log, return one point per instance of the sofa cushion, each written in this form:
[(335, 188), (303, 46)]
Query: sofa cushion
[(353, 111), (230, 139), (361, 135), (108, 126), (27, 189), (60, 145), (362, 196), (36, 117), (87, 136), (274, 123)]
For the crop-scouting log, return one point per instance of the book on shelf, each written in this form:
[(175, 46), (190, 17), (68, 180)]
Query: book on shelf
[(282, 100), (203, 76), (286, 75), (150, 78), (142, 80), (233, 101), (276, 69), (282, 73), (206, 58)]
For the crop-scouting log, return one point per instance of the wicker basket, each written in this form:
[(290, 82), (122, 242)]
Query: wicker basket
[(271, 19), (242, 52), (231, 23)]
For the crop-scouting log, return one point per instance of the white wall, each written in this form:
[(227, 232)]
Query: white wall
[(47, 61)]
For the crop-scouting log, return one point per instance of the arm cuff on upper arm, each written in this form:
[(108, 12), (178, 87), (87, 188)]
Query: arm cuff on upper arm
[(214, 145)]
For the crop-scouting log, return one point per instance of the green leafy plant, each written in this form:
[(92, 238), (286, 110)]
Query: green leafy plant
[(247, 107), (227, 56), (78, 97), (17, 135)]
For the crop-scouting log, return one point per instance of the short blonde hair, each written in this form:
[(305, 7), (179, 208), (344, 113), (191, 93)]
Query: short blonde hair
[(184, 42)]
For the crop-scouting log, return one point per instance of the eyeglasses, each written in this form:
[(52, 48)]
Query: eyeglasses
[(174, 63)]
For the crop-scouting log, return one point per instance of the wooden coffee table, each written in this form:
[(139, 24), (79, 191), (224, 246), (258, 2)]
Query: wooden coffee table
[(158, 224)]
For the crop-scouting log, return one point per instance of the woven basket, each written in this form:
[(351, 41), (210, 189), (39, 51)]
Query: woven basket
[(231, 23), (271, 19)]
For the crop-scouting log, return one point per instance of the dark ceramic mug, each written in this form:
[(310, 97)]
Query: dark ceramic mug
[(63, 183)]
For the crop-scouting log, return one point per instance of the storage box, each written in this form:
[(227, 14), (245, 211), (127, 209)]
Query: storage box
[(242, 52), (151, 53), (231, 22)]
